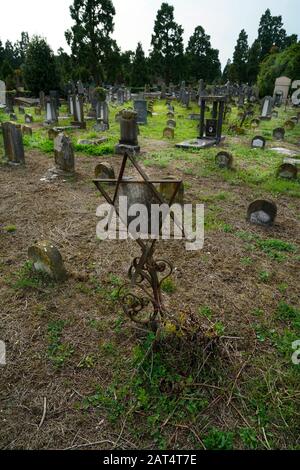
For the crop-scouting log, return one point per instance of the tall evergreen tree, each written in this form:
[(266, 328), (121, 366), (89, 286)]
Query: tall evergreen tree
[(240, 57), (271, 33), (167, 45), (40, 72), (202, 59), (253, 62), (89, 38), (140, 75)]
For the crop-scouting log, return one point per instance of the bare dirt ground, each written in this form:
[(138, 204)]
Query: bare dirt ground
[(39, 404)]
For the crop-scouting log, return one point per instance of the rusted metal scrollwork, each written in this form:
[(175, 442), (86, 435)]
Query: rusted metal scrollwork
[(148, 278)]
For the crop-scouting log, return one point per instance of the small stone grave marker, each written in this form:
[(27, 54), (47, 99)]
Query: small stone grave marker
[(255, 123), (169, 133), (104, 171), (289, 125), (262, 213), (28, 119), (47, 259), (287, 171), (279, 133), (171, 123), (167, 190), (258, 142), (224, 160), (64, 154), (27, 130)]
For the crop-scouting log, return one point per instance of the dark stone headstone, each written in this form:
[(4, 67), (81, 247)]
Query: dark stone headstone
[(279, 133), (13, 143), (129, 132), (64, 154), (224, 160), (287, 171), (140, 107), (262, 213), (258, 142)]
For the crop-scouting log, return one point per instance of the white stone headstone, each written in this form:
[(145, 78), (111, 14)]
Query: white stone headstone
[(2, 94)]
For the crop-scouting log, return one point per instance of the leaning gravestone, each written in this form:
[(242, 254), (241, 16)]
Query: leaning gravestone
[(287, 171), (78, 112), (267, 106), (258, 142), (104, 171), (13, 143), (2, 95), (262, 213), (224, 160), (140, 107), (47, 259), (64, 154), (279, 133)]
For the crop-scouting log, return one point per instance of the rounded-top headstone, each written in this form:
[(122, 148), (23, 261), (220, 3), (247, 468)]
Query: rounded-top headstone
[(224, 160), (171, 123), (279, 133), (294, 119), (262, 213), (104, 171), (255, 123), (167, 189), (169, 133), (289, 125), (287, 171), (47, 259), (258, 142)]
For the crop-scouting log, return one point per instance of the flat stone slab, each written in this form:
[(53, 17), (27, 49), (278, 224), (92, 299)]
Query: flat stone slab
[(292, 161), (284, 151), (92, 141), (198, 143)]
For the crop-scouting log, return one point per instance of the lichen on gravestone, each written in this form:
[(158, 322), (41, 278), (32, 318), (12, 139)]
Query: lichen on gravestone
[(47, 259)]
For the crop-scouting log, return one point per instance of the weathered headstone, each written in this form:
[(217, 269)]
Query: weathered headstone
[(47, 259), (140, 107), (169, 132), (296, 97), (42, 100), (13, 143), (289, 125), (102, 116), (262, 213), (28, 119), (78, 112), (2, 94), (255, 123), (224, 160), (51, 113), (282, 84), (287, 171), (27, 130), (267, 107), (64, 154), (258, 142), (279, 133), (104, 171), (128, 132), (171, 123), (275, 114)]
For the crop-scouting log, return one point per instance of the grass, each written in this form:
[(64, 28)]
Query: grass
[(58, 352)]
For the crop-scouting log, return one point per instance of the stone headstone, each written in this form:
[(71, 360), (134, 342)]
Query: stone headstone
[(38, 111), (42, 100), (266, 110), (27, 130), (282, 84), (13, 143), (80, 88), (2, 94), (279, 133), (171, 123), (47, 259), (78, 112), (64, 154), (258, 142), (104, 171), (287, 171), (289, 125), (262, 213), (140, 107), (224, 160), (22, 110), (255, 123), (128, 132), (102, 116), (51, 113), (275, 114), (170, 115), (53, 133), (28, 119), (169, 133), (294, 119)]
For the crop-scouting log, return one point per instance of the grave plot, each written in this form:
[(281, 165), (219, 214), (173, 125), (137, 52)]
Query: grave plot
[(78, 365)]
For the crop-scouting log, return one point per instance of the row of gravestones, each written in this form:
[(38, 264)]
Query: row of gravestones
[(288, 170), (169, 130)]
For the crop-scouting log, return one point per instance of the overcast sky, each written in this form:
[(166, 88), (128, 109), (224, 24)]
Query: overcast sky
[(134, 20)]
